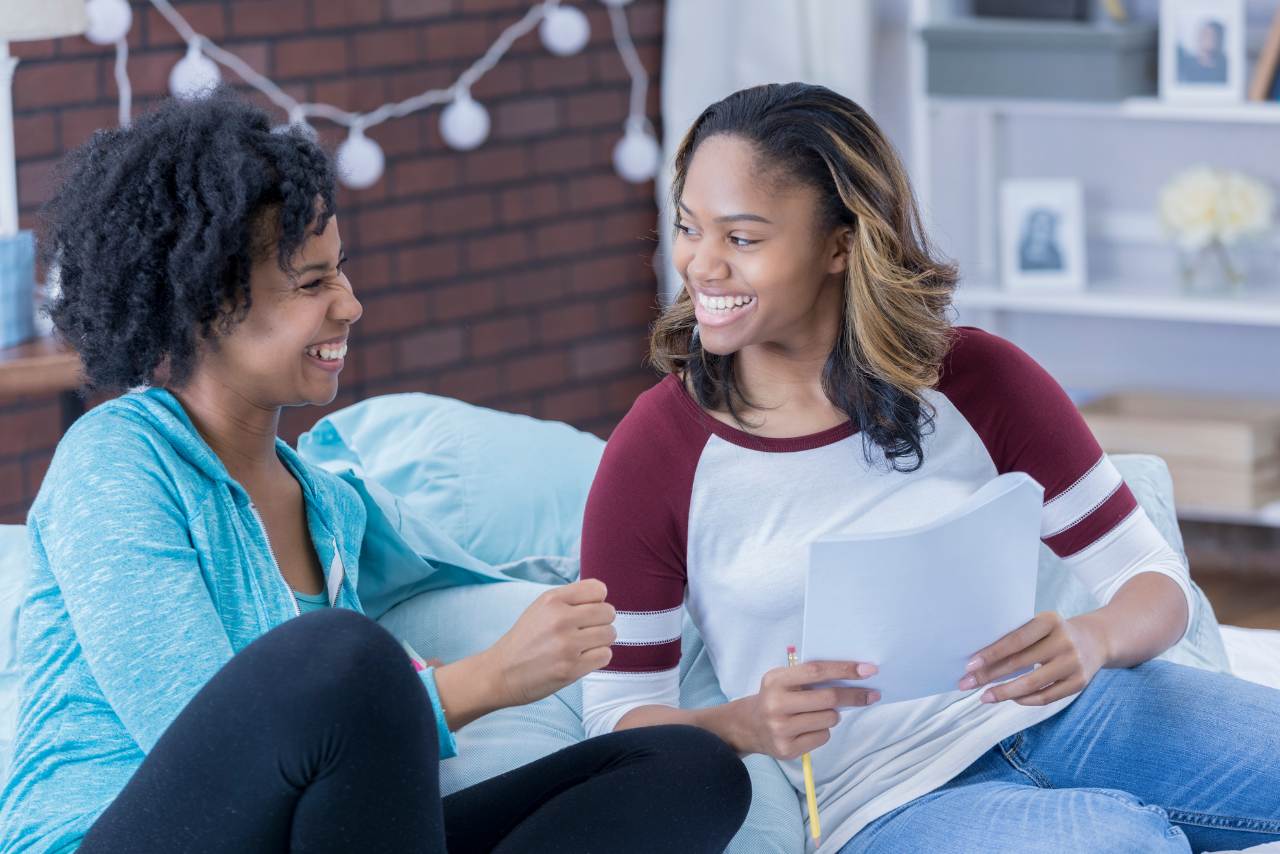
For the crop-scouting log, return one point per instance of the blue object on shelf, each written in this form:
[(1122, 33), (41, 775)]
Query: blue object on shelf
[(17, 289)]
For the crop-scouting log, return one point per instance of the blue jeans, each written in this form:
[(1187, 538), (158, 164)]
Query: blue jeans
[(1159, 758)]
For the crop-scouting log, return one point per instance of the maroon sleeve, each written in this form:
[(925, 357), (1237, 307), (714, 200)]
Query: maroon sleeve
[(635, 530), (1028, 424)]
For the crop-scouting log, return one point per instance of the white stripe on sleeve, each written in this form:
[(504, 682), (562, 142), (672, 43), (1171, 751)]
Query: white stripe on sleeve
[(1080, 498), (1130, 548), (645, 628), (607, 696)]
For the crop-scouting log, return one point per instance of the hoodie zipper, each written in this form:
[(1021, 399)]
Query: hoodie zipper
[(263, 525)]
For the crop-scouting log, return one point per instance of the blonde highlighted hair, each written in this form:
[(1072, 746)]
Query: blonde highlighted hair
[(895, 329)]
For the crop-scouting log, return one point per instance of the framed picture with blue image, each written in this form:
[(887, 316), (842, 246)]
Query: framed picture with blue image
[(1202, 50)]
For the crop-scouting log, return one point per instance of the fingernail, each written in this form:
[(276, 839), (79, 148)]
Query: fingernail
[(988, 697), (873, 697), (865, 670), (969, 682), (974, 663)]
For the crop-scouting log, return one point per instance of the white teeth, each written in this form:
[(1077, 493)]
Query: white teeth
[(723, 305), (327, 354)]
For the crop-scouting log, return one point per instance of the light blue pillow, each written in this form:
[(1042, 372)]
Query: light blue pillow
[(14, 557), (501, 486)]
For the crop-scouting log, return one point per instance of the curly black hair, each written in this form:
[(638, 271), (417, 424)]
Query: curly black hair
[(152, 231)]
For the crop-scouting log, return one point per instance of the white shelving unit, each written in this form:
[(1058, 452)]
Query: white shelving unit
[(985, 158)]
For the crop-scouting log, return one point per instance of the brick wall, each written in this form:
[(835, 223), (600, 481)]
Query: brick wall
[(515, 276)]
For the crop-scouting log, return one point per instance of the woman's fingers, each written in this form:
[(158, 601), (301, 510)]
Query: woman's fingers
[(581, 592), (595, 636), (1038, 653), (1038, 679), (593, 614), (817, 671), (1041, 626)]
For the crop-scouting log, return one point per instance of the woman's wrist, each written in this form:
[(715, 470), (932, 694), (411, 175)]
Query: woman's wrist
[(470, 689)]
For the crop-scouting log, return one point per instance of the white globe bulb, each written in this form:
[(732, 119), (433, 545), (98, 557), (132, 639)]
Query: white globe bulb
[(195, 75), (564, 30), (464, 124), (635, 157), (360, 161), (109, 20)]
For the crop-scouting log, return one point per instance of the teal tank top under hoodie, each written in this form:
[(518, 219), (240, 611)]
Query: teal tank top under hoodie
[(149, 570)]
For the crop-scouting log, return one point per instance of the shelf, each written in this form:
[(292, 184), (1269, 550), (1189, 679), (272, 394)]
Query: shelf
[(1111, 302), (1268, 516), (38, 366), (1143, 109)]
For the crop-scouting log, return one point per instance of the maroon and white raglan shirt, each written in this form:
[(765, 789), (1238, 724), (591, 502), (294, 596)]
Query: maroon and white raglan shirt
[(688, 512)]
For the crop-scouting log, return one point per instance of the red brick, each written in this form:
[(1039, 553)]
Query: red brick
[(375, 360), (35, 467), (425, 263), (506, 80), (596, 191), (561, 155), (54, 84), (208, 19), (571, 405), (382, 48), (517, 406), (467, 300), (532, 287), (38, 49), (396, 137), (10, 482), (34, 429), (535, 372), (361, 94), (345, 13), (430, 349), (595, 109), (33, 182), (577, 320), (526, 117), (606, 357), (309, 57), (644, 20), (408, 84), (564, 238), (462, 213), (623, 393), (405, 10), (488, 253), (531, 202), (148, 74), (491, 5), (494, 164), (392, 225), (368, 271), (456, 40), (632, 229), (15, 514), (496, 337), (548, 73), (393, 313), (78, 125), (267, 17), (473, 385), (631, 309), (34, 136), (600, 274)]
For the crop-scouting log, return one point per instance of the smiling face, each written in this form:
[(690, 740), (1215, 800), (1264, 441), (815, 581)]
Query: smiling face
[(754, 258), (289, 348)]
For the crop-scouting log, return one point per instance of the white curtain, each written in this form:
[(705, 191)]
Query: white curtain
[(713, 48)]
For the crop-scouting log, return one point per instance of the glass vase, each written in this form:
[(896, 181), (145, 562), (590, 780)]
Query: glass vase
[(1214, 270)]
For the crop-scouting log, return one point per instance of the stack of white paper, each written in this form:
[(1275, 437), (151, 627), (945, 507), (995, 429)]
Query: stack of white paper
[(920, 603)]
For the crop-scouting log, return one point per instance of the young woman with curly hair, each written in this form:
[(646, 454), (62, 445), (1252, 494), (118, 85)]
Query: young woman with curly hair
[(815, 386), (197, 674)]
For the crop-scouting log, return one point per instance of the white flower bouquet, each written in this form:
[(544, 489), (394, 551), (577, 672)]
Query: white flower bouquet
[(1206, 210)]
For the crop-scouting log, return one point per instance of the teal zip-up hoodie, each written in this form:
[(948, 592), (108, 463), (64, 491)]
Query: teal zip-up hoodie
[(150, 569)]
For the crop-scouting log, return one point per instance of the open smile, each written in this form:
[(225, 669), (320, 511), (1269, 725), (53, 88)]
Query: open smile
[(715, 311), (328, 356)]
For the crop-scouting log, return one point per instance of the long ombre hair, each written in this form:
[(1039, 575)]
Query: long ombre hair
[(895, 330)]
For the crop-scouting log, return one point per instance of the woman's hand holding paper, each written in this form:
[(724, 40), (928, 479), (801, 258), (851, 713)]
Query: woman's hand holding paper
[(1068, 655), (788, 719)]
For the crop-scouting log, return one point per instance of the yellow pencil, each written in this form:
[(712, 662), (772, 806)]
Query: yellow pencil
[(814, 827)]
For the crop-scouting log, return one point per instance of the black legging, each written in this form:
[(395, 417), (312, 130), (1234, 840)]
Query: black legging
[(319, 737)]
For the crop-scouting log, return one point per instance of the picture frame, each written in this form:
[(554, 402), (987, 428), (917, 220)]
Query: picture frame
[(1042, 235), (1263, 84), (1202, 50)]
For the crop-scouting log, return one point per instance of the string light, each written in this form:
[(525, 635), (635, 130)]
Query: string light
[(464, 122), (564, 30), (195, 75), (109, 20)]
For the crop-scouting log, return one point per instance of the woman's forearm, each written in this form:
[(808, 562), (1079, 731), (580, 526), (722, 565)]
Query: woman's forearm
[(469, 689), (1147, 615), (724, 720)]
